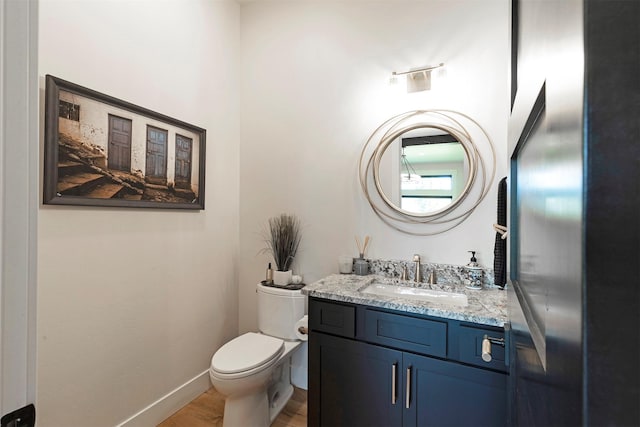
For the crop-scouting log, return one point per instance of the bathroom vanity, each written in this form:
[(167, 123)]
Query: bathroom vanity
[(379, 359)]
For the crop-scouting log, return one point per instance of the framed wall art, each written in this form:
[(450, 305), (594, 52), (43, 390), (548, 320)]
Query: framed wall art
[(102, 151)]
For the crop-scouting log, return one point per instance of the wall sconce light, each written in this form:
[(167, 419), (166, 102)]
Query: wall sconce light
[(418, 79)]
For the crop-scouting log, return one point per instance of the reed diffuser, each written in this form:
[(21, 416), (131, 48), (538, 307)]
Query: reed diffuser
[(362, 248), (361, 266)]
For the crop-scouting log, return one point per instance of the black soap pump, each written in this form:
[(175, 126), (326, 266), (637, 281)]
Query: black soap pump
[(473, 262)]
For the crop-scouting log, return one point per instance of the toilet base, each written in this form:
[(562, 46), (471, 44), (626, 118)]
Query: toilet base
[(236, 413), (260, 408), (279, 394)]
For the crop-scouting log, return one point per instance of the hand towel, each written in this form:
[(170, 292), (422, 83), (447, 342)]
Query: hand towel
[(500, 248)]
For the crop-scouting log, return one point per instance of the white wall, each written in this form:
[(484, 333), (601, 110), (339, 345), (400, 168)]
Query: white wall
[(315, 86), (132, 303)]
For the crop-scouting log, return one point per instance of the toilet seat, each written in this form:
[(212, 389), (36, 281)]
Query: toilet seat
[(245, 355)]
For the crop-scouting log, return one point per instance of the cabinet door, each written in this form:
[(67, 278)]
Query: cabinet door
[(351, 383), (450, 394)]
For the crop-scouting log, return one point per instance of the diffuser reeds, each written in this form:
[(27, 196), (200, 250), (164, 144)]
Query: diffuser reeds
[(362, 249)]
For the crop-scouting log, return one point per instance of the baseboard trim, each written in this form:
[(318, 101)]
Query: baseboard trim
[(168, 404)]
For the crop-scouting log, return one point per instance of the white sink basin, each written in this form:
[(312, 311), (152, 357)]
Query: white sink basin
[(420, 294)]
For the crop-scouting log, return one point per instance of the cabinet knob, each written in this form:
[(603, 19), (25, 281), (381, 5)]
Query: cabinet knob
[(486, 346), (486, 349)]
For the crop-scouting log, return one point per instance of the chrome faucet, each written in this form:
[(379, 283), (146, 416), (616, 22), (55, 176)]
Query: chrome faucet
[(418, 275), (404, 274), (432, 277)]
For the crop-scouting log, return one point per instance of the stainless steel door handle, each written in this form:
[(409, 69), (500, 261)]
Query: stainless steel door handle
[(408, 399), (394, 392)]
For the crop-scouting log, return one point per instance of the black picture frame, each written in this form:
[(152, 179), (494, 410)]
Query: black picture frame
[(103, 151)]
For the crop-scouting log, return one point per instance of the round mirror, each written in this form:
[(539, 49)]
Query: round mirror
[(425, 171), (424, 166)]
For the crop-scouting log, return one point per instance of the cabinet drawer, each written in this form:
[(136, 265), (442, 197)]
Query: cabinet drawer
[(428, 337), (332, 318), (470, 345)]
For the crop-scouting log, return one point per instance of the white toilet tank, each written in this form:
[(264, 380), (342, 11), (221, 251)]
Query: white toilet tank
[(279, 310)]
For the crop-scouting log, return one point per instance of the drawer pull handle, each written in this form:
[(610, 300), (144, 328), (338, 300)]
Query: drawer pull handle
[(394, 392), (408, 394), (486, 346)]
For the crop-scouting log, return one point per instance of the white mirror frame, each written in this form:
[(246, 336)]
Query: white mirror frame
[(444, 219)]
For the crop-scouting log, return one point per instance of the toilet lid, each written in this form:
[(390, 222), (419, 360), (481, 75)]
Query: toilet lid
[(246, 352)]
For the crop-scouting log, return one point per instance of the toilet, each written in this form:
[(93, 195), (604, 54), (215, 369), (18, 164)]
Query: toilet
[(257, 370)]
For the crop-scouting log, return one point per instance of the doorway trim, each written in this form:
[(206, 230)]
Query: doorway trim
[(19, 201)]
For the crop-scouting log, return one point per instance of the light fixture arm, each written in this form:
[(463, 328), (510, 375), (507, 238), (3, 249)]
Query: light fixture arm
[(405, 162), (417, 70)]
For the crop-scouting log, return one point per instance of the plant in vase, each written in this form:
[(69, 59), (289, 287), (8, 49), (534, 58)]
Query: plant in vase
[(283, 239)]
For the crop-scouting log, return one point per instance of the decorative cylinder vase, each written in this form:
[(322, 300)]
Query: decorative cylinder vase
[(473, 278), (361, 267), (282, 278), (345, 264)]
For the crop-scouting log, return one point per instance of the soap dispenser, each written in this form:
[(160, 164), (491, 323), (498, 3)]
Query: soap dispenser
[(473, 273)]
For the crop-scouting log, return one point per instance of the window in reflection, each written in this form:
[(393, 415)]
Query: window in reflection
[(427, 182), (425, 203), (426, 193)]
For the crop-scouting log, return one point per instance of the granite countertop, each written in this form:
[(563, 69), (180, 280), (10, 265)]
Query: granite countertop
[(487, 306)]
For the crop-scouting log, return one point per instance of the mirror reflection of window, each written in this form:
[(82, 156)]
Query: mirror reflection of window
[(430, 192), (426, 182), (425, 203), (432, 172)]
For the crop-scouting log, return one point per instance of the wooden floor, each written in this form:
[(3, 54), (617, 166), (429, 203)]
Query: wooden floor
[(207, 409)]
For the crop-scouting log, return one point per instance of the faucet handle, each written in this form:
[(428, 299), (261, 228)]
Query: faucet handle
[(432, 277), (417, 277), (404, 274)]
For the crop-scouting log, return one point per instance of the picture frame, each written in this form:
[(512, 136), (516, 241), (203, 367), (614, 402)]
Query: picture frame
[(103, 151)]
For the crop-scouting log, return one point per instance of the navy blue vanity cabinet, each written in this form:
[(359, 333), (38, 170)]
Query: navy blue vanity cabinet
[(352, 383), (444, 393), (376, 367)]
